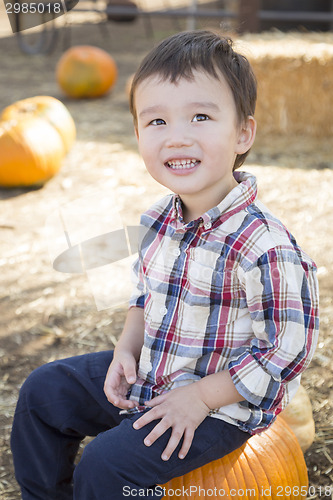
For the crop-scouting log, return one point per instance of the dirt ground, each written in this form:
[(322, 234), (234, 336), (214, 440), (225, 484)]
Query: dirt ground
[(46, 315)]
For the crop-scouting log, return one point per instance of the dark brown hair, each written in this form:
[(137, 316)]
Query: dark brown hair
[(179, 55)]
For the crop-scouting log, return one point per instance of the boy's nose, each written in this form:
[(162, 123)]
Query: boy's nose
[(178, 137)]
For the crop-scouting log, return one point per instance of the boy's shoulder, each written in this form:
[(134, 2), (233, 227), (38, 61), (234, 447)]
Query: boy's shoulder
[(160, 209), (263, 232)]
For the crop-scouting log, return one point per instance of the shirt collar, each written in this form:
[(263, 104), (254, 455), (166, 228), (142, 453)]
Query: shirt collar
[(239, 198)]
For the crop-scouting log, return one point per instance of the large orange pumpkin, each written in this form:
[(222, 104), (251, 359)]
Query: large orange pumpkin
[(31, 152), (86, 71), (35, 135), (268, 467), (48, 108)]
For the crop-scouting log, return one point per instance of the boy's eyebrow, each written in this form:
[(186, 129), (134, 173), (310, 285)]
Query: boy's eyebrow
[(205, 104), (195, 104), (151, 109)]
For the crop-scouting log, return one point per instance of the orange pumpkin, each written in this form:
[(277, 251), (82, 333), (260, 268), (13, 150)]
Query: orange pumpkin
[(269, 466), (48, 108), (31, 152), (86, 71)]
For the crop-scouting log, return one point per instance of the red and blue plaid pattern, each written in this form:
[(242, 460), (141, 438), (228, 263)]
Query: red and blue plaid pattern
[(231, 290)]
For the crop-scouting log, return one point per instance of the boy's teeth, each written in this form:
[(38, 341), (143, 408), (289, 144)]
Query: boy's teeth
[(178, 164)]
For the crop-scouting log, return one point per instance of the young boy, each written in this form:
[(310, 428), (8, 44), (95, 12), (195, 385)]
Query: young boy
[(223, 318)]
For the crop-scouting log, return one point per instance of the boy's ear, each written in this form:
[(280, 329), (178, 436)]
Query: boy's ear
[(246, 136)]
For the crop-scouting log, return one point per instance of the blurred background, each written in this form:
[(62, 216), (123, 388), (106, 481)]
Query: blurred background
[(47, 314)]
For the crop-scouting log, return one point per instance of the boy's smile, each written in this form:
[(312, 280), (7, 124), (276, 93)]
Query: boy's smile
[(182, 166), (189, 136)]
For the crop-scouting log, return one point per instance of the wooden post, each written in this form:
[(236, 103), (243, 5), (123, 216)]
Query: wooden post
[(191, 20), (249, 16)]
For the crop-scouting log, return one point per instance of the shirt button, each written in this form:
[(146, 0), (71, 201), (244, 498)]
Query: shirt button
[(176, 252), (163, 311), (207, 225)]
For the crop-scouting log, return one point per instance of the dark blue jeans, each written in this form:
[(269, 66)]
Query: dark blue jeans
[(62, 402)]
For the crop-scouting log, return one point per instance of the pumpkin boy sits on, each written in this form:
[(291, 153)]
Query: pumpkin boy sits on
[(224, 314)]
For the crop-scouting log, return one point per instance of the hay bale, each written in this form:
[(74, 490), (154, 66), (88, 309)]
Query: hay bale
[(295, 82)]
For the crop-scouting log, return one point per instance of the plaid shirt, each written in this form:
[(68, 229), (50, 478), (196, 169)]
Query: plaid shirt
[(231, 290)]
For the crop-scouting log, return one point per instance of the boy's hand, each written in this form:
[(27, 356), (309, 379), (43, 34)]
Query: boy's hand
[(183, 410), (120, 376)]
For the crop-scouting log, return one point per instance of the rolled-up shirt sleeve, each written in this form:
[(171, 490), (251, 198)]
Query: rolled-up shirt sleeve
[(282, 298)]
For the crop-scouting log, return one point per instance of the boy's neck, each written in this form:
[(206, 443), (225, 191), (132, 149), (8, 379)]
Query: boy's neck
[(195, 206)]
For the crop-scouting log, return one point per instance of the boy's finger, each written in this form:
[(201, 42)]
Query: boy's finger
[(188, 438), (157, 432), (130, 374), (122, 403), (112, 397), (174, 440), (144, 420), (155, 401), (108, 391)]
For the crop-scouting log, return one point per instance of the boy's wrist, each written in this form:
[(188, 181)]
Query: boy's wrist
[(217, 390), (202, 393), (120, 351)]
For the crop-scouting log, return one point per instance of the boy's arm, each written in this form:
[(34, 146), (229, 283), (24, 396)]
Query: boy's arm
[(132, 336), (218, 390), (282, 297), (122, 371)]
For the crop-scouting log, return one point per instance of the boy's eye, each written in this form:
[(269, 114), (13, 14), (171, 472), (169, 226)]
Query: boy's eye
[(157, 121), (200, 117)]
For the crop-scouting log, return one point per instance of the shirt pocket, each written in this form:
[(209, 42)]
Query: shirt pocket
[(216, 293), (201, 279)]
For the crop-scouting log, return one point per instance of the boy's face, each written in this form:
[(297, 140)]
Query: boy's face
[(189, 135)]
